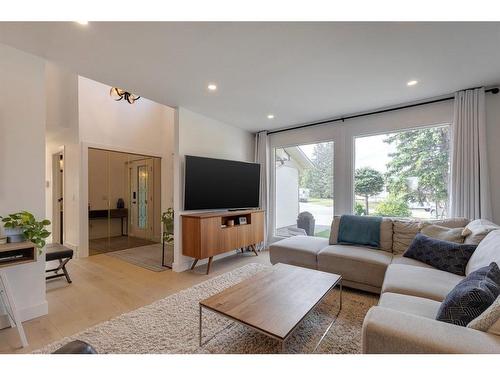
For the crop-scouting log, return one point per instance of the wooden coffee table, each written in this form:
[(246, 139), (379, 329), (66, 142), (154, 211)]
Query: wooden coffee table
[(274, 301)]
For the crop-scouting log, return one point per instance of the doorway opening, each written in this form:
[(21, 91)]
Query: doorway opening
[(58, 198), (124, 208)]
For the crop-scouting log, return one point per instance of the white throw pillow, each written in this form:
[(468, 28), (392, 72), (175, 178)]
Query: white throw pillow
[(486, 252), (477, 230), (489, 320)]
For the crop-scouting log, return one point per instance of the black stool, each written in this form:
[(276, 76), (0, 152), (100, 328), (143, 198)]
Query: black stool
[(63, 256)]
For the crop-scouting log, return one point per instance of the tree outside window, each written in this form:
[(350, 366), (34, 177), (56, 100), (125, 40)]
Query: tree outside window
[(414, 166)]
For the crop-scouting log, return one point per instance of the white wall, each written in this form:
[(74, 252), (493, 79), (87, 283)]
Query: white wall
[(202, 136), (145, 128), (22, 163), (62, 136)]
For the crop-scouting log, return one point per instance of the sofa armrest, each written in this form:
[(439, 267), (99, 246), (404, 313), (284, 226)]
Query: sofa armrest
[(390, 331)]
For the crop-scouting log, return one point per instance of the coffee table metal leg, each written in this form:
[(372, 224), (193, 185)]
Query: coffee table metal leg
[(333, 321), (340, 294), (200, 323)]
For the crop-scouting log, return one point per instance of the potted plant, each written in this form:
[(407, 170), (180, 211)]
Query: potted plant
[(167, 219), (23, 225)]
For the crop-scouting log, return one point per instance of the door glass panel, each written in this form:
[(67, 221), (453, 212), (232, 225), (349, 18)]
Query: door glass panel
[(124, 202), (304, 190), (142, 184)]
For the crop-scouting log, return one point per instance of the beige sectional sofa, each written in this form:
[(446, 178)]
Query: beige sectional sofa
[(411, 291)]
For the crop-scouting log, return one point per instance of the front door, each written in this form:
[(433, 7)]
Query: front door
[(141, 198)]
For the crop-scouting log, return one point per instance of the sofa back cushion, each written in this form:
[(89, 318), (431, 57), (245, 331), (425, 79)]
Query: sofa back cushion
[(385, 233), (486, 252), (443, 233), (453, 222), (477, 230), (405, 230)]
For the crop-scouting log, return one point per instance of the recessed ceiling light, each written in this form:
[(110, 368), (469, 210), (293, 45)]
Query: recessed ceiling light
[(82, 22), (413, 82), (270, 116), (212, 87)]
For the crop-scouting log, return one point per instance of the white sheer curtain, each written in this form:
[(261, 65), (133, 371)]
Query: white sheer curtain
[(470, 187), (262, 156)]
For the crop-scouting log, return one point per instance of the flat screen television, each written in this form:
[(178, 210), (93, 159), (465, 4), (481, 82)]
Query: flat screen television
[(211, 184)]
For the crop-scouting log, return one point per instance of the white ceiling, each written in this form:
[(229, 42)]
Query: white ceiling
[(300, 72)]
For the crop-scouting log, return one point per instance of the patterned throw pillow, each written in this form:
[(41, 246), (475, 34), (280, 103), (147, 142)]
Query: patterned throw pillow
[(489, 320), (443, 255), (471, 297)]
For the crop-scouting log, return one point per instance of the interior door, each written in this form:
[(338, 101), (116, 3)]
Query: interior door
[(141, 198)]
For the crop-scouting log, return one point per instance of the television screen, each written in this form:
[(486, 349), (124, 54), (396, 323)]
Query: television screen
[(220, 184)]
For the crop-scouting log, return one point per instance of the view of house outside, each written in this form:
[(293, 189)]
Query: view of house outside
[(304, 183), (403, 174)]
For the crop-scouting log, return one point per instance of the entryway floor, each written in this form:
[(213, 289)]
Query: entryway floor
[(106, 245)]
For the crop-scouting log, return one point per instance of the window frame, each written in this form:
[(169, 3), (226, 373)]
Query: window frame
[(343, 135)]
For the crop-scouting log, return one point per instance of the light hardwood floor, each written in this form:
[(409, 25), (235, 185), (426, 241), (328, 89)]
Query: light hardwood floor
[(104, 287)]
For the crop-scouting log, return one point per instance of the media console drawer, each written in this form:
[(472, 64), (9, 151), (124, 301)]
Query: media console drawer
[(211, 233)]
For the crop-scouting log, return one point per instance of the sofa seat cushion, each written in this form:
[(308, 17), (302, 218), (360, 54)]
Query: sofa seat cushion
[(424, 307), (297, 251), (419, 281), (355, 263), (400, 259)]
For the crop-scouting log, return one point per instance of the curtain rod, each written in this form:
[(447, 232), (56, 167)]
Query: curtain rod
[(494, 90)]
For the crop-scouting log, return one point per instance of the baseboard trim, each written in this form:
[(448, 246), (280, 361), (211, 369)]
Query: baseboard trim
[(27, 313)]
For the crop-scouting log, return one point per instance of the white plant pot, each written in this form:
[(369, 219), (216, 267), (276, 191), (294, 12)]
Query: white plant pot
[(14, 234)]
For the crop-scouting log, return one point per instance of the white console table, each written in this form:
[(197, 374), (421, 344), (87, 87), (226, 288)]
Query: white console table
[(13, 254)]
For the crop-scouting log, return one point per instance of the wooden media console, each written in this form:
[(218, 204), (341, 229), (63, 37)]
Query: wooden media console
[(210, 233)]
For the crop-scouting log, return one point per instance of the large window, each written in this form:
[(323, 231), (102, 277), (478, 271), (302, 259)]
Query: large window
[(403, 174), (304, 189)]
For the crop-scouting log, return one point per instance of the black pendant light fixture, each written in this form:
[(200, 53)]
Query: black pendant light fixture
[(119, 94)]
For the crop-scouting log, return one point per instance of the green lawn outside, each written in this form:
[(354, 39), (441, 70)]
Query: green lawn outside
[(321, 201), (324, 234)]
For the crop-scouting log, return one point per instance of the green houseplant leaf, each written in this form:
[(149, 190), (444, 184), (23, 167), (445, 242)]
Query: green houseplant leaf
[(33, 230)]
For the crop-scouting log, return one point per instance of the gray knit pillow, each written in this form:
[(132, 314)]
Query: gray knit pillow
[(489, 320)]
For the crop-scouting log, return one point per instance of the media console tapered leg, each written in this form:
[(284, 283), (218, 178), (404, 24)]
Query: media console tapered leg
[(209, 264), (254, 250), (194, 264)]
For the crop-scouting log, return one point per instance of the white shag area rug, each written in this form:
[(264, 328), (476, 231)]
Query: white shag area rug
[(170, 325)]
